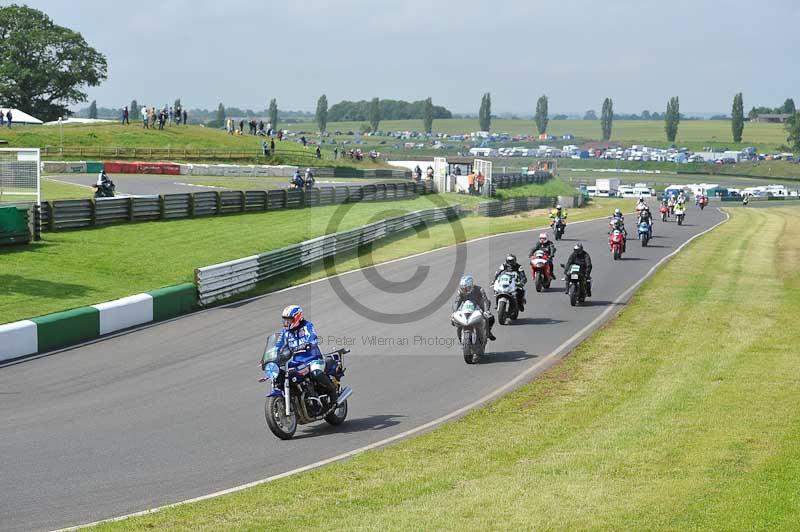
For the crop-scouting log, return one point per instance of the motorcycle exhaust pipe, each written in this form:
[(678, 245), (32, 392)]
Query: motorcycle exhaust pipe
[(346, 392)]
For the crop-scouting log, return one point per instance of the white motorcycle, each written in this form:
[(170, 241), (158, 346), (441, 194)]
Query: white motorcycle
[(505, 293), (471, 327)]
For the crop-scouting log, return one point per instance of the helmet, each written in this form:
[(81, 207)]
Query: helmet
[(466, 284), (646, 207), (292, 316), (308, 169), (617, 212), (542, 237), (511, 260), (578, 247), (558, 207)]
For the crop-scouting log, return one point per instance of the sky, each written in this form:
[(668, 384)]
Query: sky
[(577, 52)]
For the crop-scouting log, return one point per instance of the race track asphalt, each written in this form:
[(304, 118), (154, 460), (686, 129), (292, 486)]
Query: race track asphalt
[(174, 411)]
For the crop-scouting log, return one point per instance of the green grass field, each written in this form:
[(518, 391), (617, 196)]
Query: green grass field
[(682, 414), (74, 268), (691, 133), (554, 187)]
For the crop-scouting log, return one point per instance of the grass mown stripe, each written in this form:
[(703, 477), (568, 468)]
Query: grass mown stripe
[(172, 301), (67, 328), (682, 413)]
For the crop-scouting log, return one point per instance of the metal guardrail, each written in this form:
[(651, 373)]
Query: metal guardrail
[(220, 281), (72, 214), (514, 205)]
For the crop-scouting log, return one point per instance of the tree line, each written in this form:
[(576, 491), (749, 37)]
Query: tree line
[(347, 111)]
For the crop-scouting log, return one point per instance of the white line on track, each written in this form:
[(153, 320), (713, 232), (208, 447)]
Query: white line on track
[(523, 377)]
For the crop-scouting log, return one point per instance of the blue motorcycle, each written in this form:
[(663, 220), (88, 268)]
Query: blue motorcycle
[(294, 398), (645, 232)]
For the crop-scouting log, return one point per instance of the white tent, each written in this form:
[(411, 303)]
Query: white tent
[(19, 117), (72, 120)]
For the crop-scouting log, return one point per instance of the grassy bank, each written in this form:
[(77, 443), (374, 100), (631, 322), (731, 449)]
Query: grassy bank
[(681, 416), (554, 187), (74, 268)]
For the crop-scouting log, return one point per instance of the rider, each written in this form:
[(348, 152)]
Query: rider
[(645, 216), (618, 222), (309, 179), (509, 266), (580, 257), (546, 245), (558, 212), (297, 180), (640, 205), (469, 291), (299, 335), (104, 183)]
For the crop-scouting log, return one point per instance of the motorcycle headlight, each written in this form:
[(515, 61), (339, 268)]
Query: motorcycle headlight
[(272, 371)]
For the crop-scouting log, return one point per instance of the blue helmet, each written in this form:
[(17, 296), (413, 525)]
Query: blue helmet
[(466, 284)]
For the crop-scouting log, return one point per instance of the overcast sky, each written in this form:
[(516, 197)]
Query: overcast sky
[(243, 52)]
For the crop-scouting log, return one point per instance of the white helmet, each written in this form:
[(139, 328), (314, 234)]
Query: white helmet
[(542, 236), (558, 207)]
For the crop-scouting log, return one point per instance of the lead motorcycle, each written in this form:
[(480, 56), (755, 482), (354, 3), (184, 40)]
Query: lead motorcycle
[(294, 399), (541, 270), (470, 325), (505, 293), (559, 226)]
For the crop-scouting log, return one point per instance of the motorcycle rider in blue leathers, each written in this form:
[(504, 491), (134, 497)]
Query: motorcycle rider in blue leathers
[(298, 334)]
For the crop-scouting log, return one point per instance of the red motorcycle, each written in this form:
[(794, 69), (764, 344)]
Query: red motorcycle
[(616, 241), (541, 270), (664, 210), (702, 202)]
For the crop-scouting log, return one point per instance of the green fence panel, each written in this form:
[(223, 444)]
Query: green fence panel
[(172, 301), (67, 328), (94, 167)]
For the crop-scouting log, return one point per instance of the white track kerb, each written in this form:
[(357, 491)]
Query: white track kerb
[(535, 369)]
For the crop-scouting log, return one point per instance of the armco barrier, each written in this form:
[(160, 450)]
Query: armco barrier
[(223, 280), (72, 214), (514, 205), (71, 327)]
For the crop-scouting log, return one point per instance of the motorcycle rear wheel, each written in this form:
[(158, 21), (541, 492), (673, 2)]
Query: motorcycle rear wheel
[(338, 416), (275, 412)]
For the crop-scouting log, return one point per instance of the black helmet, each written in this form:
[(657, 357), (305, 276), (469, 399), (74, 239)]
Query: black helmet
[(511, 260), (578, 247)]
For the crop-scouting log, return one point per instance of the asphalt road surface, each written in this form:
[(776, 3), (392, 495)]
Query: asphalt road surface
[(174, 411)]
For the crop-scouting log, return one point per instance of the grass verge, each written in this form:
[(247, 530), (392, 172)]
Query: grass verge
[(554, 187), (675, 416), (74, 268)]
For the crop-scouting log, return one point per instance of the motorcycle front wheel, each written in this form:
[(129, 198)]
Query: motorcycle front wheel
[(466, 347), (573, 295), (502, 311), (279, 423), (539, 282)]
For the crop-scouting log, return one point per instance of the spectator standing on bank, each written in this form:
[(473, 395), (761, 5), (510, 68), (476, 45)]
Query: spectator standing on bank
[(304, 141), (480, 179), (9, 117), (318, 152), (2, 118), (171, 115), (144, 116), (185, 117), (241, 126), (265, 148), (272, 145), (125, 115), (336, 153)]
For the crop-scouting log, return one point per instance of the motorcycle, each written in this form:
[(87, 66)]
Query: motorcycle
[(578, 287), (644, 231), (664, 210), (106, 190), (294, 399), (471, 327), (541, 270), (505, 293), (702, 202), (615, 241), (680, 214), (558, 226)]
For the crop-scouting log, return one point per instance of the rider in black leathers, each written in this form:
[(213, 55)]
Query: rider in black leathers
[(469, 291), (511, 265), (580, 257)]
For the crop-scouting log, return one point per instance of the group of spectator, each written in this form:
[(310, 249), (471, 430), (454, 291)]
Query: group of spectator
[(160, 117), (254, 128), (356, 155), (475, 183), (6, 118)]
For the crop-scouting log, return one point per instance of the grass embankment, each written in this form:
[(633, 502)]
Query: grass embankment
[(554, 187), (115, 135), (682, 414), (74, 268)]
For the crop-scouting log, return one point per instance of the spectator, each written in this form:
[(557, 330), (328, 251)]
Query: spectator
[(272, 145), (280, 135), (458, 170), (171, 115), (265, 148), (241, 126), (178, 115), (471, 183), (480, 180), (318, 152), (152, 117), (2, 118), (9, 118), (185, 117), (144, 116), (304, 141), (336, 153), (125, 119), (429, 172), (418, 173)]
